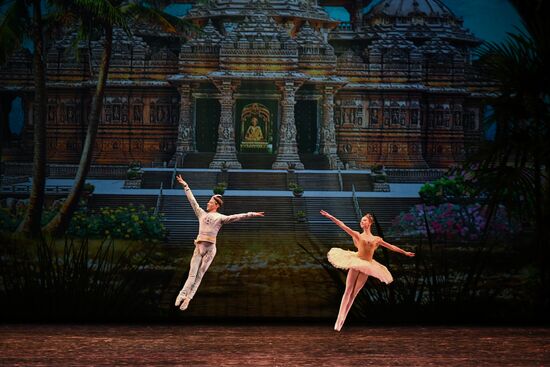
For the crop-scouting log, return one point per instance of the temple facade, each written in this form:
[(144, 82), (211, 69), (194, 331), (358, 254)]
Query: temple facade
[(279, 79)]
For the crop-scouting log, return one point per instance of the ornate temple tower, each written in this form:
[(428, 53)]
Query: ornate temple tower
[(410, 100), (281, 79)]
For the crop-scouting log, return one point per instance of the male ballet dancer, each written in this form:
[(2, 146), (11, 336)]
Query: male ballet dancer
[(210, 222)]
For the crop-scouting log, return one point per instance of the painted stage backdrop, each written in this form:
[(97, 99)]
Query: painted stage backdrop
[(286, 107)]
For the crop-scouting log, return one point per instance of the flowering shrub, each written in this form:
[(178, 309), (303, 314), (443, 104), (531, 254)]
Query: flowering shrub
[(134, 223), (452, 221), (118, 222)]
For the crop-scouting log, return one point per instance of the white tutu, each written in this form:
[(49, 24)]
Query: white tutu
[(345, 259)]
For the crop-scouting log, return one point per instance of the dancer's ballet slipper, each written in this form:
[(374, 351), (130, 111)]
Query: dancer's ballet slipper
[(180, 298), (185, 304)]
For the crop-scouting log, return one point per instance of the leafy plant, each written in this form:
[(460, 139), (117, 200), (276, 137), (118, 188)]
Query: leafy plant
[(455, 189), (126, 222), (220, 188), (295, 188), (377, 168), (134, 171), (298, 190), (301, 215), (88, 188), (71, 280)]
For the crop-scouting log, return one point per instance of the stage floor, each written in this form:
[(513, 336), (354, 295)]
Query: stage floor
[(271, 345)]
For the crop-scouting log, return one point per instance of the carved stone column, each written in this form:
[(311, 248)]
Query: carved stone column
[(328, 145), (186, 131), (287, 151), (225, 149)]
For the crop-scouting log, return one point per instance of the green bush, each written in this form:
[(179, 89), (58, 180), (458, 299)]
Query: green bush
[(134, 223), (377, 168), (301, 215), (446, 190), (297, 190), (134, 171), (219, 189), (88, 188)]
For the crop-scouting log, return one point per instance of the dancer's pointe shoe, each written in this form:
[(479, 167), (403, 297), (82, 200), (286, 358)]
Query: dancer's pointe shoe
[(185, 304), (180, 298), (337, 326)]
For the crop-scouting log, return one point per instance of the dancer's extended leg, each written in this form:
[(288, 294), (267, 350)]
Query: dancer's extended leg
[(193, 270), (360, 281), (346, 298), (207, 252), (207, 259)]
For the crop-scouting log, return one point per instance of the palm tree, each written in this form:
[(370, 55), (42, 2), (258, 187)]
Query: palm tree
[(103, 15), (517, 162), (16, 25)]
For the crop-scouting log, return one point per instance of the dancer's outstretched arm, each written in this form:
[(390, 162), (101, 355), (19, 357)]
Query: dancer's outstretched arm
[(395, 248), (340, 224), (196, 208), (236, 217)]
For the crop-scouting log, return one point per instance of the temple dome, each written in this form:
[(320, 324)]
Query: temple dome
[(409, 8)]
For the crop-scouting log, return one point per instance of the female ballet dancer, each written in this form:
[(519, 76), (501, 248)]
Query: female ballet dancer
[(210, 222), (360, 263)]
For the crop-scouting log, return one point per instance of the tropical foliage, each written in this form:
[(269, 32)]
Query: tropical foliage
[(130, 223), (514, 169), (23, 20), (73, 280), (454, 189)]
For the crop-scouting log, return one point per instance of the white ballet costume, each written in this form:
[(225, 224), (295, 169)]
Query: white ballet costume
[(345, 259), (205, 247), (358, 272)]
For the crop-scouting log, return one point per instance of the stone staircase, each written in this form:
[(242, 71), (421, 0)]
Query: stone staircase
[(361, 181), (98, 201), (317, 181), (183, 226), (152, 179), (257, 180), (314, 161), (280, 218), (196, 179), (198, 160), (256, 160), (324, 230), (180, 220)]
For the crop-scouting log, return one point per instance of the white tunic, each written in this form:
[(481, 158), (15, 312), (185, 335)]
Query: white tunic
[(211, 222)]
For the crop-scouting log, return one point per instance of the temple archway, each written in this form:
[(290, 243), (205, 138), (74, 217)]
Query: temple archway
[(305, 114), (207, 114)]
